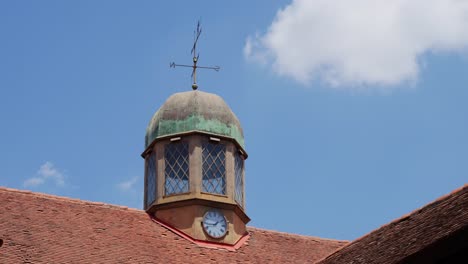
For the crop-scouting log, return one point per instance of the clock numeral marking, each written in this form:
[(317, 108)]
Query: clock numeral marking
[(215, 224)]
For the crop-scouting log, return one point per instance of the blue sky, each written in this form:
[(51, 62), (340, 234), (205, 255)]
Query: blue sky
[(353, 114)]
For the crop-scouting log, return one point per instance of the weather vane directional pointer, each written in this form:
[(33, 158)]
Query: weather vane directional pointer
[(195, 59)]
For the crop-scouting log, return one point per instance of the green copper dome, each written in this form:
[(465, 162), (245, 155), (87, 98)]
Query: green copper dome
[(194, 111)]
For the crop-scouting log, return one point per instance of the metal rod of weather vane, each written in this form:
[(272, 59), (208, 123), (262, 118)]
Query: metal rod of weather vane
[(195, 59), (194, 85)]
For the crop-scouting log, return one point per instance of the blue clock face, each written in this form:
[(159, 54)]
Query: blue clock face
[(215, 224)]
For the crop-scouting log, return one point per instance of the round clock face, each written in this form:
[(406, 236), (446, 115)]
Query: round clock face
[(215, 224)]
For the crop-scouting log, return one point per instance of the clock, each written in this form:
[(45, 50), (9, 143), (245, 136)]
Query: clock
[(215, 224)]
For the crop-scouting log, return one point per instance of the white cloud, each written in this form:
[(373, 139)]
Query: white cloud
[(359, 42), (47, 172), (34, 181), (128, 185)]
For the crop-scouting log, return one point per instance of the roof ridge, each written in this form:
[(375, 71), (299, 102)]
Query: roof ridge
[(69, 199), (295, 235), (125, 208), (400, 219), (417, 210)]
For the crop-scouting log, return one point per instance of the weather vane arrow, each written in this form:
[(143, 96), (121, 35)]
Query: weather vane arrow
[(195, 59)]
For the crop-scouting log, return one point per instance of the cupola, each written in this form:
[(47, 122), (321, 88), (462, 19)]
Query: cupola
[(194, 168)]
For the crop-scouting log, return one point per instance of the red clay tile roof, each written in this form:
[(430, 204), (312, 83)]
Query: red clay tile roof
[(420, 237), (39, 228)]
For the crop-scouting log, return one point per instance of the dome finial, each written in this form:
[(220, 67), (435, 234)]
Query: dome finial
[(196, 55)]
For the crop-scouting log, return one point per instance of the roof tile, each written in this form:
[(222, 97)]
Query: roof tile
[(41, 228), (412, 234)]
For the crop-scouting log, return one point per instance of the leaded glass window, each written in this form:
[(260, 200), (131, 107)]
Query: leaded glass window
[(151, 178), (176, 156), (239, 179), (214, 168)]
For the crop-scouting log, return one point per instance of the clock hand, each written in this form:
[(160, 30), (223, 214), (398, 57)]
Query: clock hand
[(209, 222)]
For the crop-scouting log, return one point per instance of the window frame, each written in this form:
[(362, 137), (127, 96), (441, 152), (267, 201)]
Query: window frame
[(151, 172), (239, 188), (186, 188), (224, 177)]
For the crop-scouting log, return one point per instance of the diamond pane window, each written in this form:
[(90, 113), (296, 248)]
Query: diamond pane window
[(176, 156), (151, 179), (214, 168), (239, 179)]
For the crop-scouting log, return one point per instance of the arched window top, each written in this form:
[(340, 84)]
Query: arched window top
[(214, 168)]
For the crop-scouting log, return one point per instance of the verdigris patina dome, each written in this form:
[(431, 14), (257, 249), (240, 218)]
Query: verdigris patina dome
[(194, 111)]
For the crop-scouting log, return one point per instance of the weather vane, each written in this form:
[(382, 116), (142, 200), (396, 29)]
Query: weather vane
[(195, 59)]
